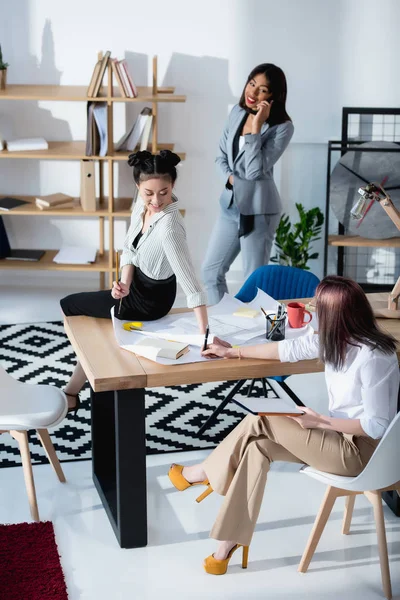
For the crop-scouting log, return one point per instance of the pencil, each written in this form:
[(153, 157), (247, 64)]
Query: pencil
[(264, 313), (206, 338), (118, 277)]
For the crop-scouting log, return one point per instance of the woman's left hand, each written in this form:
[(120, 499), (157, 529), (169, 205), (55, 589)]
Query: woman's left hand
[(310, 420), (263, 112)]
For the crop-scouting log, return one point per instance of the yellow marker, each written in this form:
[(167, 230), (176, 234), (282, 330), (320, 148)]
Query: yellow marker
[(132, 325)]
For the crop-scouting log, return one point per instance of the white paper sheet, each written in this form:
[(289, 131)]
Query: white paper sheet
[(127, 339), (75, 255)]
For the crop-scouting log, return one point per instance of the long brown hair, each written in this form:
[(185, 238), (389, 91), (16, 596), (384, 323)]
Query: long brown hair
[(345, 317)]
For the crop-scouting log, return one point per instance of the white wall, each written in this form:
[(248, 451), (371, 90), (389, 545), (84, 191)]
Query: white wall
[(334, 52)]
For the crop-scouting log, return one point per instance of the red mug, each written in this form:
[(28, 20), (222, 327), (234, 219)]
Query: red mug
[(296, 312)]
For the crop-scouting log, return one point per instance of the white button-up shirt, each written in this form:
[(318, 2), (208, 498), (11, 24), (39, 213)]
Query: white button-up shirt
[(366, 388), (162, 250)]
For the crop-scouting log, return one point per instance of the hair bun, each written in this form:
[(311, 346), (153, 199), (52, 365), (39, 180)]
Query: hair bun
[(170, 157), (139, 158)]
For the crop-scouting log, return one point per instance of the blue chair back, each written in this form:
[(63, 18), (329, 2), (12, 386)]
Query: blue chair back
[(280, 282)]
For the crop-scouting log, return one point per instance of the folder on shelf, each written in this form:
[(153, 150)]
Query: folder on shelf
[(131, 139), (96, 130), (88, 187), (100, 122)]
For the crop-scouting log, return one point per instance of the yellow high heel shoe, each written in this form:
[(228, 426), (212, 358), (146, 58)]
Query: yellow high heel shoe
[(182, 484), (213, 566)]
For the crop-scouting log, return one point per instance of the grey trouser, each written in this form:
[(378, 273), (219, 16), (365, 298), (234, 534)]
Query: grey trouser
[(225, 245)]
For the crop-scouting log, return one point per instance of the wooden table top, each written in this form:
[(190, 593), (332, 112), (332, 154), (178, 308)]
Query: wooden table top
[(109, 367)]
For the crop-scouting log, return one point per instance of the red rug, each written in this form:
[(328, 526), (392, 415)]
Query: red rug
[(30, 566)]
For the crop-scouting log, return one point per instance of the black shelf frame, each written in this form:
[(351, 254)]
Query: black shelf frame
[(342, 146)]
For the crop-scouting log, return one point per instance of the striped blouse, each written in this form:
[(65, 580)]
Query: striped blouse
[(162, 250)]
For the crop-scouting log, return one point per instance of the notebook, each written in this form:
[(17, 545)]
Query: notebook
[(154, 348), (10, 203), (53, 199), (32, 255), (268, 406), (249, 313)]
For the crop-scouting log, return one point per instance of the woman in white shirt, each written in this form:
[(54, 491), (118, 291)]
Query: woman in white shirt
[(362, 376), (154, 258)]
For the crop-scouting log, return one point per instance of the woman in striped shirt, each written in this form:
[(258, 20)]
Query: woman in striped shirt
[(154, 258)]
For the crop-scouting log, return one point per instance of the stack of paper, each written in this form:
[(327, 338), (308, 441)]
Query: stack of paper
[(75, 255), (27, 144)]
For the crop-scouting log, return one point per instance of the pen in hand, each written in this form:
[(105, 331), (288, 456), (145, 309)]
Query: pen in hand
[(206, 338), (118, 278)]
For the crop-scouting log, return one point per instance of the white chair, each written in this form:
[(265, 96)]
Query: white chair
[(381, 474), (22, 407)]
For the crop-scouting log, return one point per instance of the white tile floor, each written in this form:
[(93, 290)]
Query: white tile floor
[(345, 567)]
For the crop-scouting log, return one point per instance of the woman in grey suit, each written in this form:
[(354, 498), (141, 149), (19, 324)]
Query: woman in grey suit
[(257, 133)]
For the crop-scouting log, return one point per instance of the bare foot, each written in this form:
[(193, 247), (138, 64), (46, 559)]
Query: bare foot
[(194, 473), (223, 550)]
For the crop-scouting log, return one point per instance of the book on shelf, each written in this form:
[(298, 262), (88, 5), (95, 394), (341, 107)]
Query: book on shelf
[(96, 130), (114, 65), (133, 137), (127, 78), (98, 75), (24, 144), (28, 255), (53, 199), (154, 348), (70, 204), (10, 203)]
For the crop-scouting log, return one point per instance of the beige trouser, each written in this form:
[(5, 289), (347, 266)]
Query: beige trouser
[(238, 467)]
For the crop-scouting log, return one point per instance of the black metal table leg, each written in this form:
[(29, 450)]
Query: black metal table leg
[(212, 418), (119, 462)]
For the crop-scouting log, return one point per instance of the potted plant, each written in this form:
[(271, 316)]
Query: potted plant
[(293, 242), (3, 72)]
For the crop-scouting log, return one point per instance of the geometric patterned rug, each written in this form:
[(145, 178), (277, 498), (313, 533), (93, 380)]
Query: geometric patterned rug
[(41, 353)]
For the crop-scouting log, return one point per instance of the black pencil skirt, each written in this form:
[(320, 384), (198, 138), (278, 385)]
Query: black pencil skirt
[(148, 299)]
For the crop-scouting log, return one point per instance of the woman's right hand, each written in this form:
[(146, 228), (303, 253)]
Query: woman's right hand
[(119, 290), (218, 349)]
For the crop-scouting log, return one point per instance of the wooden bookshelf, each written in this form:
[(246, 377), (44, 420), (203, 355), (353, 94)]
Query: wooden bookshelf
[(74, 150), (121, 208), (108, 208), (355, 241), (46, 264), (77, 93)]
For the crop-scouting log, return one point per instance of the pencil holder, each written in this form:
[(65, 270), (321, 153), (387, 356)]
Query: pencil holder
[(275, 331)]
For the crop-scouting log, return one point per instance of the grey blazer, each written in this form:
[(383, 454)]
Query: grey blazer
[(254, 188)]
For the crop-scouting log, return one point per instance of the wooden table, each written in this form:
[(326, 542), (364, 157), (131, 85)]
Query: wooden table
[(118, 380)]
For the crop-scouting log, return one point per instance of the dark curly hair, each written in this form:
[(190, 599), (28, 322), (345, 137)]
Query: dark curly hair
[(149, 166)]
